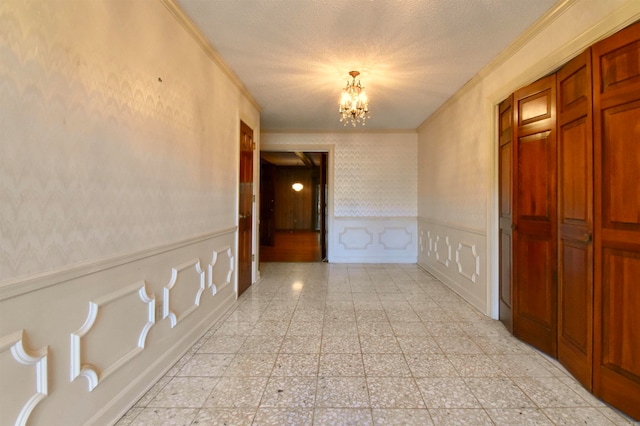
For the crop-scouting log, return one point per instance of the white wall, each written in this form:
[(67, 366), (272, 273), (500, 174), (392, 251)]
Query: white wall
[(372, 191), (457, 147), (118, 180)]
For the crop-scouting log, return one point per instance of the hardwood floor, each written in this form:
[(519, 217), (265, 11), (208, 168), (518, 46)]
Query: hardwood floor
[(293, 246)]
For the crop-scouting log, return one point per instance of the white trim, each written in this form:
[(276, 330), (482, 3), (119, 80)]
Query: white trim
[(23, 285)]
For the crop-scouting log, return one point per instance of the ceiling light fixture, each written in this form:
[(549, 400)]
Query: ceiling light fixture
[(297, 186), (354, 105)]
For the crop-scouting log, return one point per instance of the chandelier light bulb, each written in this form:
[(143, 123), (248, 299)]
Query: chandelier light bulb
[(354, 104)]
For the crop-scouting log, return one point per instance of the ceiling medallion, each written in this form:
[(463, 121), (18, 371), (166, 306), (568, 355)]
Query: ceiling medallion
[(354, 105)]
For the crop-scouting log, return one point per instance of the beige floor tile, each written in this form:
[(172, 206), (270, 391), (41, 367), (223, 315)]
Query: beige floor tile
[(342, 417), (401, 417), (430, 365), (185, 392), (341, 365), (225, 416), (165, 417), (390, 365), (237, 392), (283, 417), (290, 392), (460, 417), (342, 392), (447, 392), (394, 392), (296, 365)]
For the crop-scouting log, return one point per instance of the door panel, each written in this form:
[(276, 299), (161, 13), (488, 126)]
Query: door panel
[(575, 218), (505, 190), (534, 213), (245, 208), (616, 76)]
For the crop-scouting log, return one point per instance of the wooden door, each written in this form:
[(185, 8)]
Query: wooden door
[(245, 208), (534, 215), (505, 191), (575, 218), (616, 77)]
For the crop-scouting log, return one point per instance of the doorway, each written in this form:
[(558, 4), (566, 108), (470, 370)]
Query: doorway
[(293, 208), (245, 208)]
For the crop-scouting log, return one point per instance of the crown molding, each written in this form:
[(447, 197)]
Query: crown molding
[(620, 18), (190, 27)]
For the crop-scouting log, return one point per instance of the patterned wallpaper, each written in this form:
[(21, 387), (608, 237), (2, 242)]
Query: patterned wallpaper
[(375, 174), (454, 167), (113, 139)]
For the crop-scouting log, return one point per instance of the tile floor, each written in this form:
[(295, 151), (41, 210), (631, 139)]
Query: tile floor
[(333, 344)]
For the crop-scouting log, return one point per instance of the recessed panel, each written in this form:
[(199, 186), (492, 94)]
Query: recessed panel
[(533, 174), (534, 108), (621, 312), (534, 281), (575, 294), (572, 89), (621, 66), (573, 171), (621, 166)]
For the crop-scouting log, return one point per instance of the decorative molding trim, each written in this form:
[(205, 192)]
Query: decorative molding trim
[(464, 274), (473, 276), (192, 29), (149, 374), (214, 259), (15, 343), (617, 20), (447, 254), (527, 36), (348, 245), (93, 375), (19, 286), (399, 231), (167, 312), (452, 226)]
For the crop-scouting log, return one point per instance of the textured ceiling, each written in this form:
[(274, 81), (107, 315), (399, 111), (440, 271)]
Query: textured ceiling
[(294, 55)]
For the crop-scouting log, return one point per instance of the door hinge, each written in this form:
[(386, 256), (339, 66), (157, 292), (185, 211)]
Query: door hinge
[(254, 198), (253, 146), (253, 257)]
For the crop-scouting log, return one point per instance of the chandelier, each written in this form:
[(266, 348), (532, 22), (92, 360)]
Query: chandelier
[(354, 105)]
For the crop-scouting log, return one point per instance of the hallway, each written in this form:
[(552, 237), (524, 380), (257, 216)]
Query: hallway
[(330, 344)]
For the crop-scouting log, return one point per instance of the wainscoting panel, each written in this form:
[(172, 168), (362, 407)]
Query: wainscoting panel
[(377, 239), (79, 346), (27, 371), (457, 256), (130, 311)]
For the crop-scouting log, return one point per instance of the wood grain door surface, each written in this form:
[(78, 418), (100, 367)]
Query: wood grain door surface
[(616, 71), (575, 218), (505, 205), (534, 215), (245, 208)]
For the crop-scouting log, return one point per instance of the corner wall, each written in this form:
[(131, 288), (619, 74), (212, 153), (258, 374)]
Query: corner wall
[(118, 180), (371, 189), (457, 147)]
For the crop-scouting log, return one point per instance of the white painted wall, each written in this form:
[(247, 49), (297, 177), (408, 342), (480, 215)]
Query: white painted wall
[(457, 147), (118, 213), (372, 184)]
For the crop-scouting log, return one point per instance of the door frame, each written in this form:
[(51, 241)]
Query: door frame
[(329, 149)]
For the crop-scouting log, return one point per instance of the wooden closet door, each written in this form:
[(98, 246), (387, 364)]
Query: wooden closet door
[(616, 71), (575, 218), (505, 191), (535, 218)]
